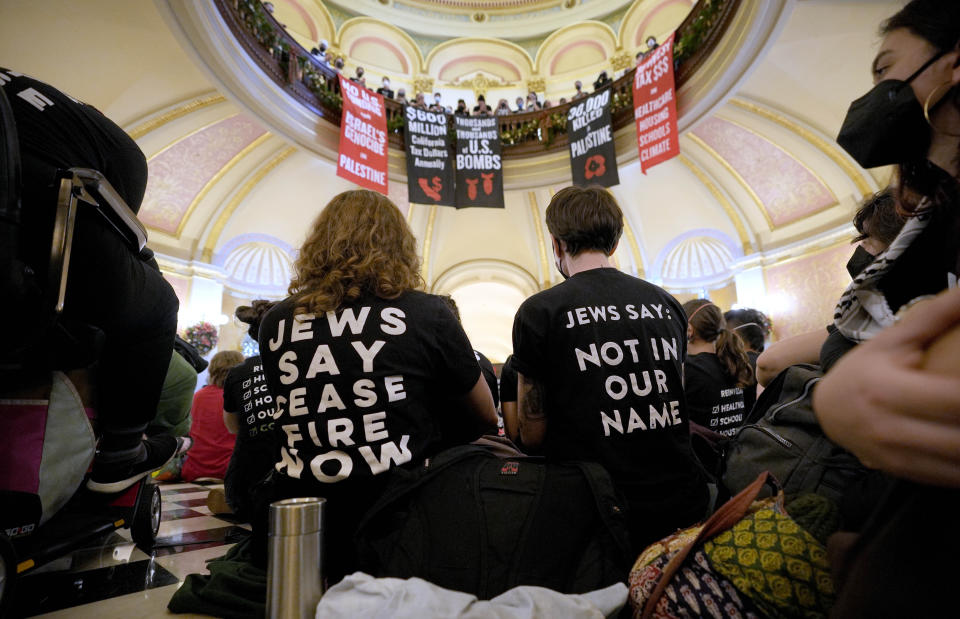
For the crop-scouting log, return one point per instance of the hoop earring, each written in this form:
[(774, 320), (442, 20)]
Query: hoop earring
[(926, 108)]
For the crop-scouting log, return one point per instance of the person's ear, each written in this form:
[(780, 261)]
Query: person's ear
[(557, 247), (689, 333)]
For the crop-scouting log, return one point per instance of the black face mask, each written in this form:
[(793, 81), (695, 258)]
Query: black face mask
[(860, 260), (886, 126)]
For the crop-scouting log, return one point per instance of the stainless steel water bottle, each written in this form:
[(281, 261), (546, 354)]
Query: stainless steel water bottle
[(295, 562)]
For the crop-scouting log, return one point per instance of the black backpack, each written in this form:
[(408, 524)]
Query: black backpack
[(470, 521), (782, 435)]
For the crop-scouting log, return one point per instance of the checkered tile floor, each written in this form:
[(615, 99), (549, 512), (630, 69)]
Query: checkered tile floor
[(114, 578)]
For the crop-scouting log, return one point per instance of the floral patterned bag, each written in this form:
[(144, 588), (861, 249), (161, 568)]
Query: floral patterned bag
[(750, 559)]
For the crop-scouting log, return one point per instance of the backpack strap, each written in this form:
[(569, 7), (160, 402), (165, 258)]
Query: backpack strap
[(729, 514)]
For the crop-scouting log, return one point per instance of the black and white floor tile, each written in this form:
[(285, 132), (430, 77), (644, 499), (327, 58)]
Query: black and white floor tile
[(113, 578)]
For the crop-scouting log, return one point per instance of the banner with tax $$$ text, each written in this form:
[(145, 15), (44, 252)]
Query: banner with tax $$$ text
[(593, 155), (655, 107), (362, 155)]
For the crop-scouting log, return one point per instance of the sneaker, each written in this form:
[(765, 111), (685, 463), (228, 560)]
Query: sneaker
[(111, 475)]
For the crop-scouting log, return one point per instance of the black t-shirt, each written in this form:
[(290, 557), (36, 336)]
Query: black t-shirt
[(834, 347), (713, 397), (607, 349), (489, 376), (57, 131), (931, 263), (245, 394), (365, 388), (750, 393), (508, 381)]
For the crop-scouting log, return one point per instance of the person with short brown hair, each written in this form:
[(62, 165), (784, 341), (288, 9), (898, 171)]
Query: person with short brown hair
[(370, 374), (212, 442), (599, 363)]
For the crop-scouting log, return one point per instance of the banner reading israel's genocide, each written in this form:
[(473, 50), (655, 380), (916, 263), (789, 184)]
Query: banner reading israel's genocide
[(429, 163), (479, 169), (363, 137), (593, 156), (655, 107)]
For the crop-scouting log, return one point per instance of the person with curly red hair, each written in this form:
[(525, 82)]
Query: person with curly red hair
[(369, 373)]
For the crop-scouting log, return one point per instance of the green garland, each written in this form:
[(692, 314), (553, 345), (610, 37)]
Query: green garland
[(254, 18)]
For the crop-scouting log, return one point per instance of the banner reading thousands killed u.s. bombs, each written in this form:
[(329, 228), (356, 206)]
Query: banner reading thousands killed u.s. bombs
[(593, 155), (429, 161), (479, 169), (362, 157)]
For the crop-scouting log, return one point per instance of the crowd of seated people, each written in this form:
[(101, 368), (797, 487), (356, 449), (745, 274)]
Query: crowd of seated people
[(372, 377)]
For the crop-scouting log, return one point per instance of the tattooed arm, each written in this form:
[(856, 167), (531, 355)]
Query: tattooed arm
[(532, 417)]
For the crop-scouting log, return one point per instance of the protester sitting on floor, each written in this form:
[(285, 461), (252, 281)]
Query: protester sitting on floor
[(366, 370), (508, 400), (486, 368), (599, 362), (109, 286), (894, 399), (753, 327), (212, 442), (878, 223), (716, 372), (248, 413)]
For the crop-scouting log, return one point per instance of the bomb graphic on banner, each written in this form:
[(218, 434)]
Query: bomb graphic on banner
[(479, 167)]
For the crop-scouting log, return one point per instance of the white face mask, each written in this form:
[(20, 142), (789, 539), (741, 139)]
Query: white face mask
[(437, 99)]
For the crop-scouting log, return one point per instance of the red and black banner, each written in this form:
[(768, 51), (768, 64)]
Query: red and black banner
[(593, 155), (479, 169), (655, 107), (363, 137), (429, 161)]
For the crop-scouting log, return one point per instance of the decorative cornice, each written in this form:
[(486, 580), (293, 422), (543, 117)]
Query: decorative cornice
[(719, 196), (237, 198), (858, 176), (180, 111), (216, 178)]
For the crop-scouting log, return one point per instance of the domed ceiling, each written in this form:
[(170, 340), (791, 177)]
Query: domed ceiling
[(755, 211)]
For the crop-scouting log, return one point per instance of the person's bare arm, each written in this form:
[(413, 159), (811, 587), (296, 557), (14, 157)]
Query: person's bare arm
[(894, 401), (481, 413), (511, 424), (231, 422), (531, 417), (804, 348)]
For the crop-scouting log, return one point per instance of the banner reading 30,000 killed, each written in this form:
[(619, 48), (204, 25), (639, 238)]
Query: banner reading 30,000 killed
[(593, 155)]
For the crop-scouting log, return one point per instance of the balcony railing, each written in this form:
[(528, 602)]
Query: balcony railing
[(316, 86)]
